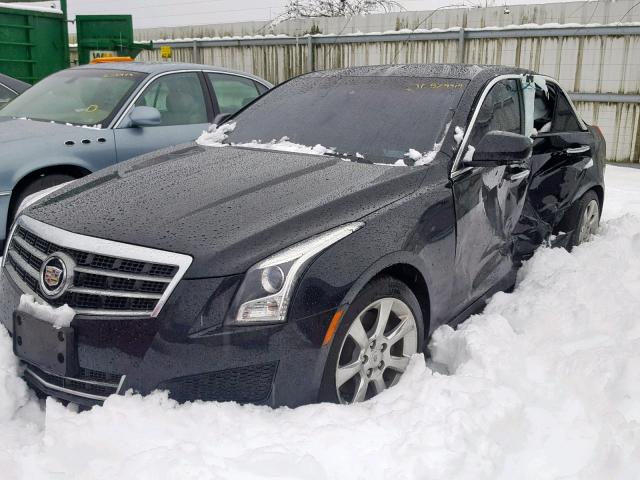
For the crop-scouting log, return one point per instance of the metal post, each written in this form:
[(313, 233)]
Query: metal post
[(195, 52), (461, 45), (310, 62)]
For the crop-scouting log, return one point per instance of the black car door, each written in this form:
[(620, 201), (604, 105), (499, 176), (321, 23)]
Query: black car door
[(488, 200), (562, 156)]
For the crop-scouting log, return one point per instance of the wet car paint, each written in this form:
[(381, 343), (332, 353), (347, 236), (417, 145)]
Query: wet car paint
[(455, 241)]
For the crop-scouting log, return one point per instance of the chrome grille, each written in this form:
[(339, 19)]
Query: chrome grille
[(90, 384), (109, 278)]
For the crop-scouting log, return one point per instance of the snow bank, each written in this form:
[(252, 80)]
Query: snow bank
[(545, 384)]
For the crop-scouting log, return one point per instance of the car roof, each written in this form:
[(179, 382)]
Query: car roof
[(13, 83), (425, 70), (163, 67)]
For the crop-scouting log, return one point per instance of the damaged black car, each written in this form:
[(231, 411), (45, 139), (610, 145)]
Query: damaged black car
[(304, 250)]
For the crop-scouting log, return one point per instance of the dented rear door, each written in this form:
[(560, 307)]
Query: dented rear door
[(563, 155)]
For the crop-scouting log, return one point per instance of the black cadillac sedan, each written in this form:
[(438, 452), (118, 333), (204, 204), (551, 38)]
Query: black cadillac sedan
[(304, 250)]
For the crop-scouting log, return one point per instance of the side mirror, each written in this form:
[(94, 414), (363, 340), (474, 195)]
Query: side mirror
[(501, 148), (145, 117), (221, 118)]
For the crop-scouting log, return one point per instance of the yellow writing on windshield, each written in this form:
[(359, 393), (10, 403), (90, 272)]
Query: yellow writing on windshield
[(434, 86)]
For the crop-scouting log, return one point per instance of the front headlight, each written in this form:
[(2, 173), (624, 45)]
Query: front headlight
[(266, 290)]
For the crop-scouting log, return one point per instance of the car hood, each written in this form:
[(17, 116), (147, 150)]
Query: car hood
[(226, 207), (22, 130)]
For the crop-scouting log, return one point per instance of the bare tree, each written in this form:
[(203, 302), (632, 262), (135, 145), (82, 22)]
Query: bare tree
[(337, 8)]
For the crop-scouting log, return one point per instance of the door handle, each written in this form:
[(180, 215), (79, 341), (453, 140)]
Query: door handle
[(577, 150)]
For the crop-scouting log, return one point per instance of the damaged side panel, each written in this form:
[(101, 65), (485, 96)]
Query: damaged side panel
[(489, 203), (567, 160)]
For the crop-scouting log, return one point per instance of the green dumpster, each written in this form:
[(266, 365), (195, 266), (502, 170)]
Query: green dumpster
[(106, 36), (33, 42)]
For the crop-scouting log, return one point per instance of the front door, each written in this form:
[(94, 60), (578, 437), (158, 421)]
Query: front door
[(488, 200), (185, 111)]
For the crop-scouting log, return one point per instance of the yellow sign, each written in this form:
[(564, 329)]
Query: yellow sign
[(165, 51)]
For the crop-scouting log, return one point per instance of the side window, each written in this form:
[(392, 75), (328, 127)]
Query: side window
[(232, 92), (6, 96), (500, 110), (565, 119), (543, 108), (178, 97)]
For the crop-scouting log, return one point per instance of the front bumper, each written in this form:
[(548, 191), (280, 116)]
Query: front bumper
[(187, 350)]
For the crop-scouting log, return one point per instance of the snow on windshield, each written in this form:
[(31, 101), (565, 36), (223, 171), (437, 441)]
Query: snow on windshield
[(215, 137), (425, 158), (544, 384)]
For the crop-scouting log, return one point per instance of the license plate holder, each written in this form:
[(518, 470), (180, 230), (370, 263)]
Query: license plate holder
[(40, 343)]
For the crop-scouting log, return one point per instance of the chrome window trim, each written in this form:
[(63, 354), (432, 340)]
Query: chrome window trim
[(111, 248), (125, 110), (467, 133), (9, 88)]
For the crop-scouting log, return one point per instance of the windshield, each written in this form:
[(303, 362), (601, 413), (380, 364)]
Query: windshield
[(373, 119), (79, 97)]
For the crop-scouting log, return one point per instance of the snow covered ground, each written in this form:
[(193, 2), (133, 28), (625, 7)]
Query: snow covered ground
[(545, 384)]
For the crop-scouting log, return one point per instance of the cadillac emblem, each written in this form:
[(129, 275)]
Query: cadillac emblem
[(56, 274)]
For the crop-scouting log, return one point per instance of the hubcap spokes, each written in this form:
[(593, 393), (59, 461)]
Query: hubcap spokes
[(590, 220), (376, 350)]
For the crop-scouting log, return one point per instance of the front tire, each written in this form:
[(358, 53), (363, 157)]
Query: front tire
[(381, 330), (41, 183)]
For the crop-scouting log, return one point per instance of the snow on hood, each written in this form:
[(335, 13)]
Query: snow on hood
[(284, 145), (215, 137), (544, 384)]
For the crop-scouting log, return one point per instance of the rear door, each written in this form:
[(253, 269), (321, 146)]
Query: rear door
[(488, 200), (186, 111), (563, 152), (233, 92)]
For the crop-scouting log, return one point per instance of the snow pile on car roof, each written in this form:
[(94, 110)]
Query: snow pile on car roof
[(545, 384)]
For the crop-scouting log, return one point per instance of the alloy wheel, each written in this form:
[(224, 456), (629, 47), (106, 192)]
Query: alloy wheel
[(590, 221), (376, 350)]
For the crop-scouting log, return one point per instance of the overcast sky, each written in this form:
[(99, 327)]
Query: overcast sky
[(160, 13)]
